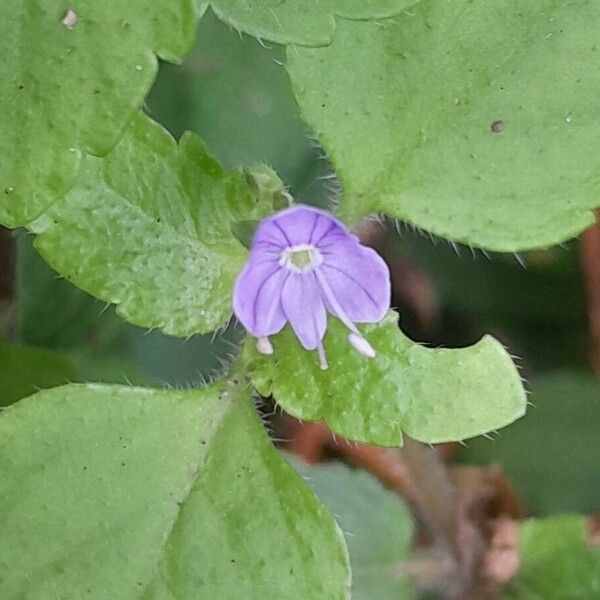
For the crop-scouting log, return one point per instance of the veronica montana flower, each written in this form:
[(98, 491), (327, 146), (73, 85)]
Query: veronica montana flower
[(303, 263)]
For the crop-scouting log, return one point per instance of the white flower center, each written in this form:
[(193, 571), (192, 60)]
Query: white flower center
[(301, 258)]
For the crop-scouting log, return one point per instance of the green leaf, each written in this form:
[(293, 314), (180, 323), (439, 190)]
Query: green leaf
[(52, 313), (551, 457), (24, 370), (70, 82), (557, 563), (378, 524), (473, 120), (117, 492), (303, 22), (432, 395), (149, 228)]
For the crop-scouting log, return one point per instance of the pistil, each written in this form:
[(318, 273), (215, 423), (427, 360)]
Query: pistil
[(301, 258)]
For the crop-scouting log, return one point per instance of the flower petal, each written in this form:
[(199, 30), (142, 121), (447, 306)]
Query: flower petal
[(303, 224), (329, 232), (298, 225), (269, 236), (359, 279), (303, 306), (257, 297)]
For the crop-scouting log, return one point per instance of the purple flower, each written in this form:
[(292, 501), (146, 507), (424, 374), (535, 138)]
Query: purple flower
[(304, 262)]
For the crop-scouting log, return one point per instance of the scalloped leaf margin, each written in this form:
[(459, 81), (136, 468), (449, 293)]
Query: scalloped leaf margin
[(149, 228), (70, 78), (433, 395), (473, 120)]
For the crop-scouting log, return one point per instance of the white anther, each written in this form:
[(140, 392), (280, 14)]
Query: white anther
[(264, 346), (322, 357), (361, 345)]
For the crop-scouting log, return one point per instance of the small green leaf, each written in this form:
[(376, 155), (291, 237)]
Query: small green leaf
[(557, 563), (432, 395), (149, 228), (24, 370), (54, 314), (303, 22), (70, 78), (116, 492), (473, 120), (378, 525)]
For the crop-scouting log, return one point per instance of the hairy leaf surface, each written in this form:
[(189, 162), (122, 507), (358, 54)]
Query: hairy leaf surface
[(433, 395), (473, 120), (148, 228), (304, 22)]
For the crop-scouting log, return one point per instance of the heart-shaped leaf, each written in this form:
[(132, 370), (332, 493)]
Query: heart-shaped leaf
[(474, 120), (130, 493)]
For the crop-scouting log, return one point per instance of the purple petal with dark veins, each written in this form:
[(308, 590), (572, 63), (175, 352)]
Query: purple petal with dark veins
[(257, 297), (303, 306), (324, 224), (269, 236), (359, 279), (352, 282), (299, 223), (334, 237)]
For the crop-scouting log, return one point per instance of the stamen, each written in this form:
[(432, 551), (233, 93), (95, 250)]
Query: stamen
[(264, 346), (322, 357), (339, 311), (362, 345), (355, 338)]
